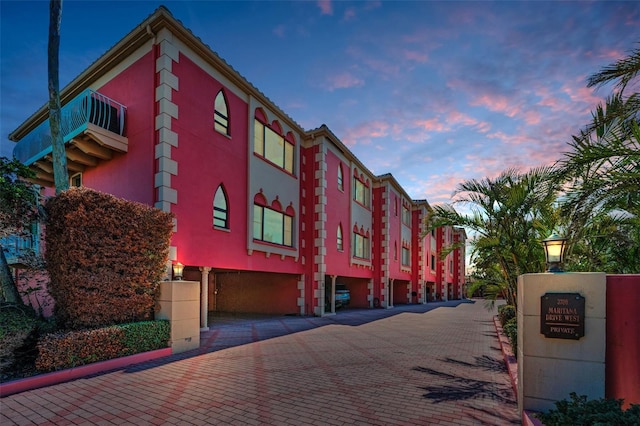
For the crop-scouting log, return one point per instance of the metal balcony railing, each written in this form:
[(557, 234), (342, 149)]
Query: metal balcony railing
[(88, 107)]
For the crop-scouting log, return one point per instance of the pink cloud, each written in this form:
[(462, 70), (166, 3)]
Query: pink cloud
[(363, 133), (532, 117), (416, 56), (496, 103), (343, 80), (326, 7), (431, 125)]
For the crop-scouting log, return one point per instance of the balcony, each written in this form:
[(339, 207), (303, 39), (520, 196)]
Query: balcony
[(93, 129)]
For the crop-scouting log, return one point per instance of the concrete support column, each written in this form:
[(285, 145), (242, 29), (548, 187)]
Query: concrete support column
[(204, 297), (333, 293)]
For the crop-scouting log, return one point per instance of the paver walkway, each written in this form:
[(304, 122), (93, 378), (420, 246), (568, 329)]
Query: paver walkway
[(435, 364)]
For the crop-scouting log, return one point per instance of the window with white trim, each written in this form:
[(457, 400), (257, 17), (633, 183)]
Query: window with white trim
[(340, 178), (339, 238), (272, 226), (273, 147), (76, 180), (220, 209), (360, 246), (361, 192), (221, 114), (406, 256)]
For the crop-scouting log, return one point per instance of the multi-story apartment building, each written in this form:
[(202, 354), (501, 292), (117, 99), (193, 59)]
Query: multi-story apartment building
[(270, 217)]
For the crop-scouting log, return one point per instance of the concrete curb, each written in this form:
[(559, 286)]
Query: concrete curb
[(510, 361), (56, 377)]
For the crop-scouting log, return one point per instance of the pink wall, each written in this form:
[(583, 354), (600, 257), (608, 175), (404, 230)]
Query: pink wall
[(338, 211), (622, 369), (130, 175)]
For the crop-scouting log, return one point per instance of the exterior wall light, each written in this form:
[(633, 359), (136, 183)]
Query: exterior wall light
[(177, 271), (554, 247)]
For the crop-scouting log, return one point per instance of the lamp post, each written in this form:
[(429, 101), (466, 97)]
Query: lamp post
[(554, 247), (177, 271)]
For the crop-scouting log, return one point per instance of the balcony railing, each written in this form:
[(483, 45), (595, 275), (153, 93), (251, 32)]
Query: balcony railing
[(88, 107)]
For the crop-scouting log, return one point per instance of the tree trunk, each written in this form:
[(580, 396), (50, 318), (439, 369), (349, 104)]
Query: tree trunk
[(8, 290), (60, 174)]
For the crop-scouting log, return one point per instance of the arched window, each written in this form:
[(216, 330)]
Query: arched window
[(221, 114), (340, 178), (220, 210), (339, 238)]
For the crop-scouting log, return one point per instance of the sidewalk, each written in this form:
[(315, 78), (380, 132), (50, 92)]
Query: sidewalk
[(435, 364)]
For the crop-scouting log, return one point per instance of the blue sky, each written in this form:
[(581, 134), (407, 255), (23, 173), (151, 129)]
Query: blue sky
[(433, 92)]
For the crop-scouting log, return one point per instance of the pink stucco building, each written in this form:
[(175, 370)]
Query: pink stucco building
[(270, 217)]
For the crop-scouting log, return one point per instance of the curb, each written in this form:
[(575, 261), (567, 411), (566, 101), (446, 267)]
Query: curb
[(509, 358), (56, 377), (510, 361)]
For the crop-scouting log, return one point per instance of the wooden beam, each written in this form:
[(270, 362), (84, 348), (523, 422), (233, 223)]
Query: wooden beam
[(92, 148), (75, 167), (81, 157), (44, 165)]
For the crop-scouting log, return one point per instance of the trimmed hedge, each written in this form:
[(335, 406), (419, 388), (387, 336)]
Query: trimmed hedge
[(505, 313), (580, 412), (105, 257), (60, 351), (511, 331)]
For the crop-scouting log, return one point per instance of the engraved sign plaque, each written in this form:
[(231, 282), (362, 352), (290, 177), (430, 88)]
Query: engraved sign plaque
[(562, 315)]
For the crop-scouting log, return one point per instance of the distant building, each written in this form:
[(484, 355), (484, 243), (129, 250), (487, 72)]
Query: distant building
[(270, 217)]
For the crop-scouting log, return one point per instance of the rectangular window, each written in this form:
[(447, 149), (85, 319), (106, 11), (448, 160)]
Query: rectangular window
[(406, 215), (270, 145), (272, 226), (361, 193), (258, 138), (433, 263), (406, 256), (360, 246), (76, 180)]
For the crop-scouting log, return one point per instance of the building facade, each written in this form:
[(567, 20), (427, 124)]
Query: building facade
[(269, 217)]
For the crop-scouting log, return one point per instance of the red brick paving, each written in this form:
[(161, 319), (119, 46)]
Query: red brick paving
[(435, 364)]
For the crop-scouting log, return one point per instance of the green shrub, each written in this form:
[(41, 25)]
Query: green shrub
[(16, 326), (60, 351), (578, 411), (505, 313), (511, 331), (145, 336), (105, 257)]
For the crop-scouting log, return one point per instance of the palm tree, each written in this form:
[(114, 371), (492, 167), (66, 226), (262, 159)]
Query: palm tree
[(509, 217), (602, 176), (59, 155)]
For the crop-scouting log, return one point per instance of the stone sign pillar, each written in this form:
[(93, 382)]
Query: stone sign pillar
[(561, 337), (179, 302)]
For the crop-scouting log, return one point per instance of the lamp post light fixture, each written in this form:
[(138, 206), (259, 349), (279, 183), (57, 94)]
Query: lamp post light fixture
[(554, 247), (177, 271)]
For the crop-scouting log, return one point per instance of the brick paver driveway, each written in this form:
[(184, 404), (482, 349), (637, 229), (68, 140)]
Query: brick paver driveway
[(435, 364)]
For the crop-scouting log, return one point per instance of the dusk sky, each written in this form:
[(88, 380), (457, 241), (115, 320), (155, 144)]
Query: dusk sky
[(433, 92)]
